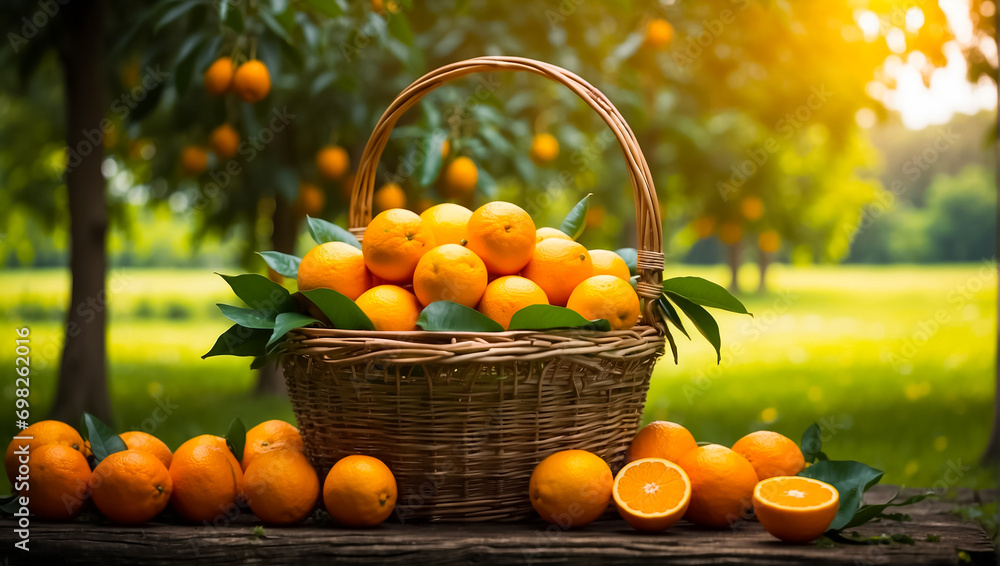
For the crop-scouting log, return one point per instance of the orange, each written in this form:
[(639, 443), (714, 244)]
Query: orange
[(769, 241), (59, 476), (394, 242), (558, 266), (460, 177), (771, 454), (332, 162), (506, 295), (546, 232), (544, 148), (445, 148), (730, 233), (207, 481), (359, 491), (607, 297), (503, 235), (337, 266), (661, 439), (205, 440), (378, 6), (390, 308), (219, 76), (194, 160), (252, 81), (722, 484), (41, 433), (450, 273), (607, 262), (144, 442), (795, 509), (571, 488), (659, 33), (310, 200), (704, 226), (131, 487), (390, 195), (651, 494), (270, 436), (449, 222), (282, 487), (225, 141), (752, 208)]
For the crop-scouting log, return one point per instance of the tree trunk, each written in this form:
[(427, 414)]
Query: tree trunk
[(733, 260), (763, 262), (992, 452), (83, 382), (270, 378), (285, 226)]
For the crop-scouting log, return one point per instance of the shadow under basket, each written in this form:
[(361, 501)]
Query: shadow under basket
[(462, 438), (463, 418)]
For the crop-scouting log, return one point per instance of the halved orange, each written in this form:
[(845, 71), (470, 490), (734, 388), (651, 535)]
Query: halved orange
[(795, 509), (651, 493)]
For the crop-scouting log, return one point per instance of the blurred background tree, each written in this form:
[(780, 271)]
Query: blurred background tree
[(754, 117)]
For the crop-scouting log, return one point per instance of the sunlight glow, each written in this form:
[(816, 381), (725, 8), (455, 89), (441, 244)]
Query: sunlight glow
[(914, 19), (948, 90), (869, 24), (896, 40)]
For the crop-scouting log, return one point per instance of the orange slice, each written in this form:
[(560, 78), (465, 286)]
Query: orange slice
[(795, 509), (652, 493)]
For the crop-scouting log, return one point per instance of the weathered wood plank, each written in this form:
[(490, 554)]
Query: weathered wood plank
[(604, 542)]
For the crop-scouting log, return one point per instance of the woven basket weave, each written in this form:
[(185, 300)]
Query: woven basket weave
[(462, 418)]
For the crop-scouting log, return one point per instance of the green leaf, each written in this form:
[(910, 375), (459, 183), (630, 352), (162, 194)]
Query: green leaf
[(431, 166), (631, 257), (542, 317), (400, 29), (328, 8), (812, 444), (175, 14), (250, 318), (342, 311), (259, 292), (869, 512), (670, 313), (702, 320), (851, 479), (289, 321), (705, 293), (11, 504), (233, 19), (240, 341), (446, 315), (103, 440), (576, 220), (272, 24), (236, 438), (323, 232), (285, 264)]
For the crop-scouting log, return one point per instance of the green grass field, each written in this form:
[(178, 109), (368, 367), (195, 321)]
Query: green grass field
[(896, 363)]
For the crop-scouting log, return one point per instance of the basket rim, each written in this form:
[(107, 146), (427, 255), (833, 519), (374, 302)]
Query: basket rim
[(315, 332)]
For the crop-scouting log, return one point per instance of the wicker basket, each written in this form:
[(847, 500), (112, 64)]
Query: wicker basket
[(462, 418)]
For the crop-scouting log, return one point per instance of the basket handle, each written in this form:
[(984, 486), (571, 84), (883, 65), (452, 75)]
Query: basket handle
[(650, 235)]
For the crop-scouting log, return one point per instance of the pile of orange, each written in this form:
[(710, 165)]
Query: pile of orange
[(669, 477), (492, 259), (202, 480)]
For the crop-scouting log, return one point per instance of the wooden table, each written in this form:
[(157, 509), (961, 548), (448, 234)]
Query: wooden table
[(604, 542)]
